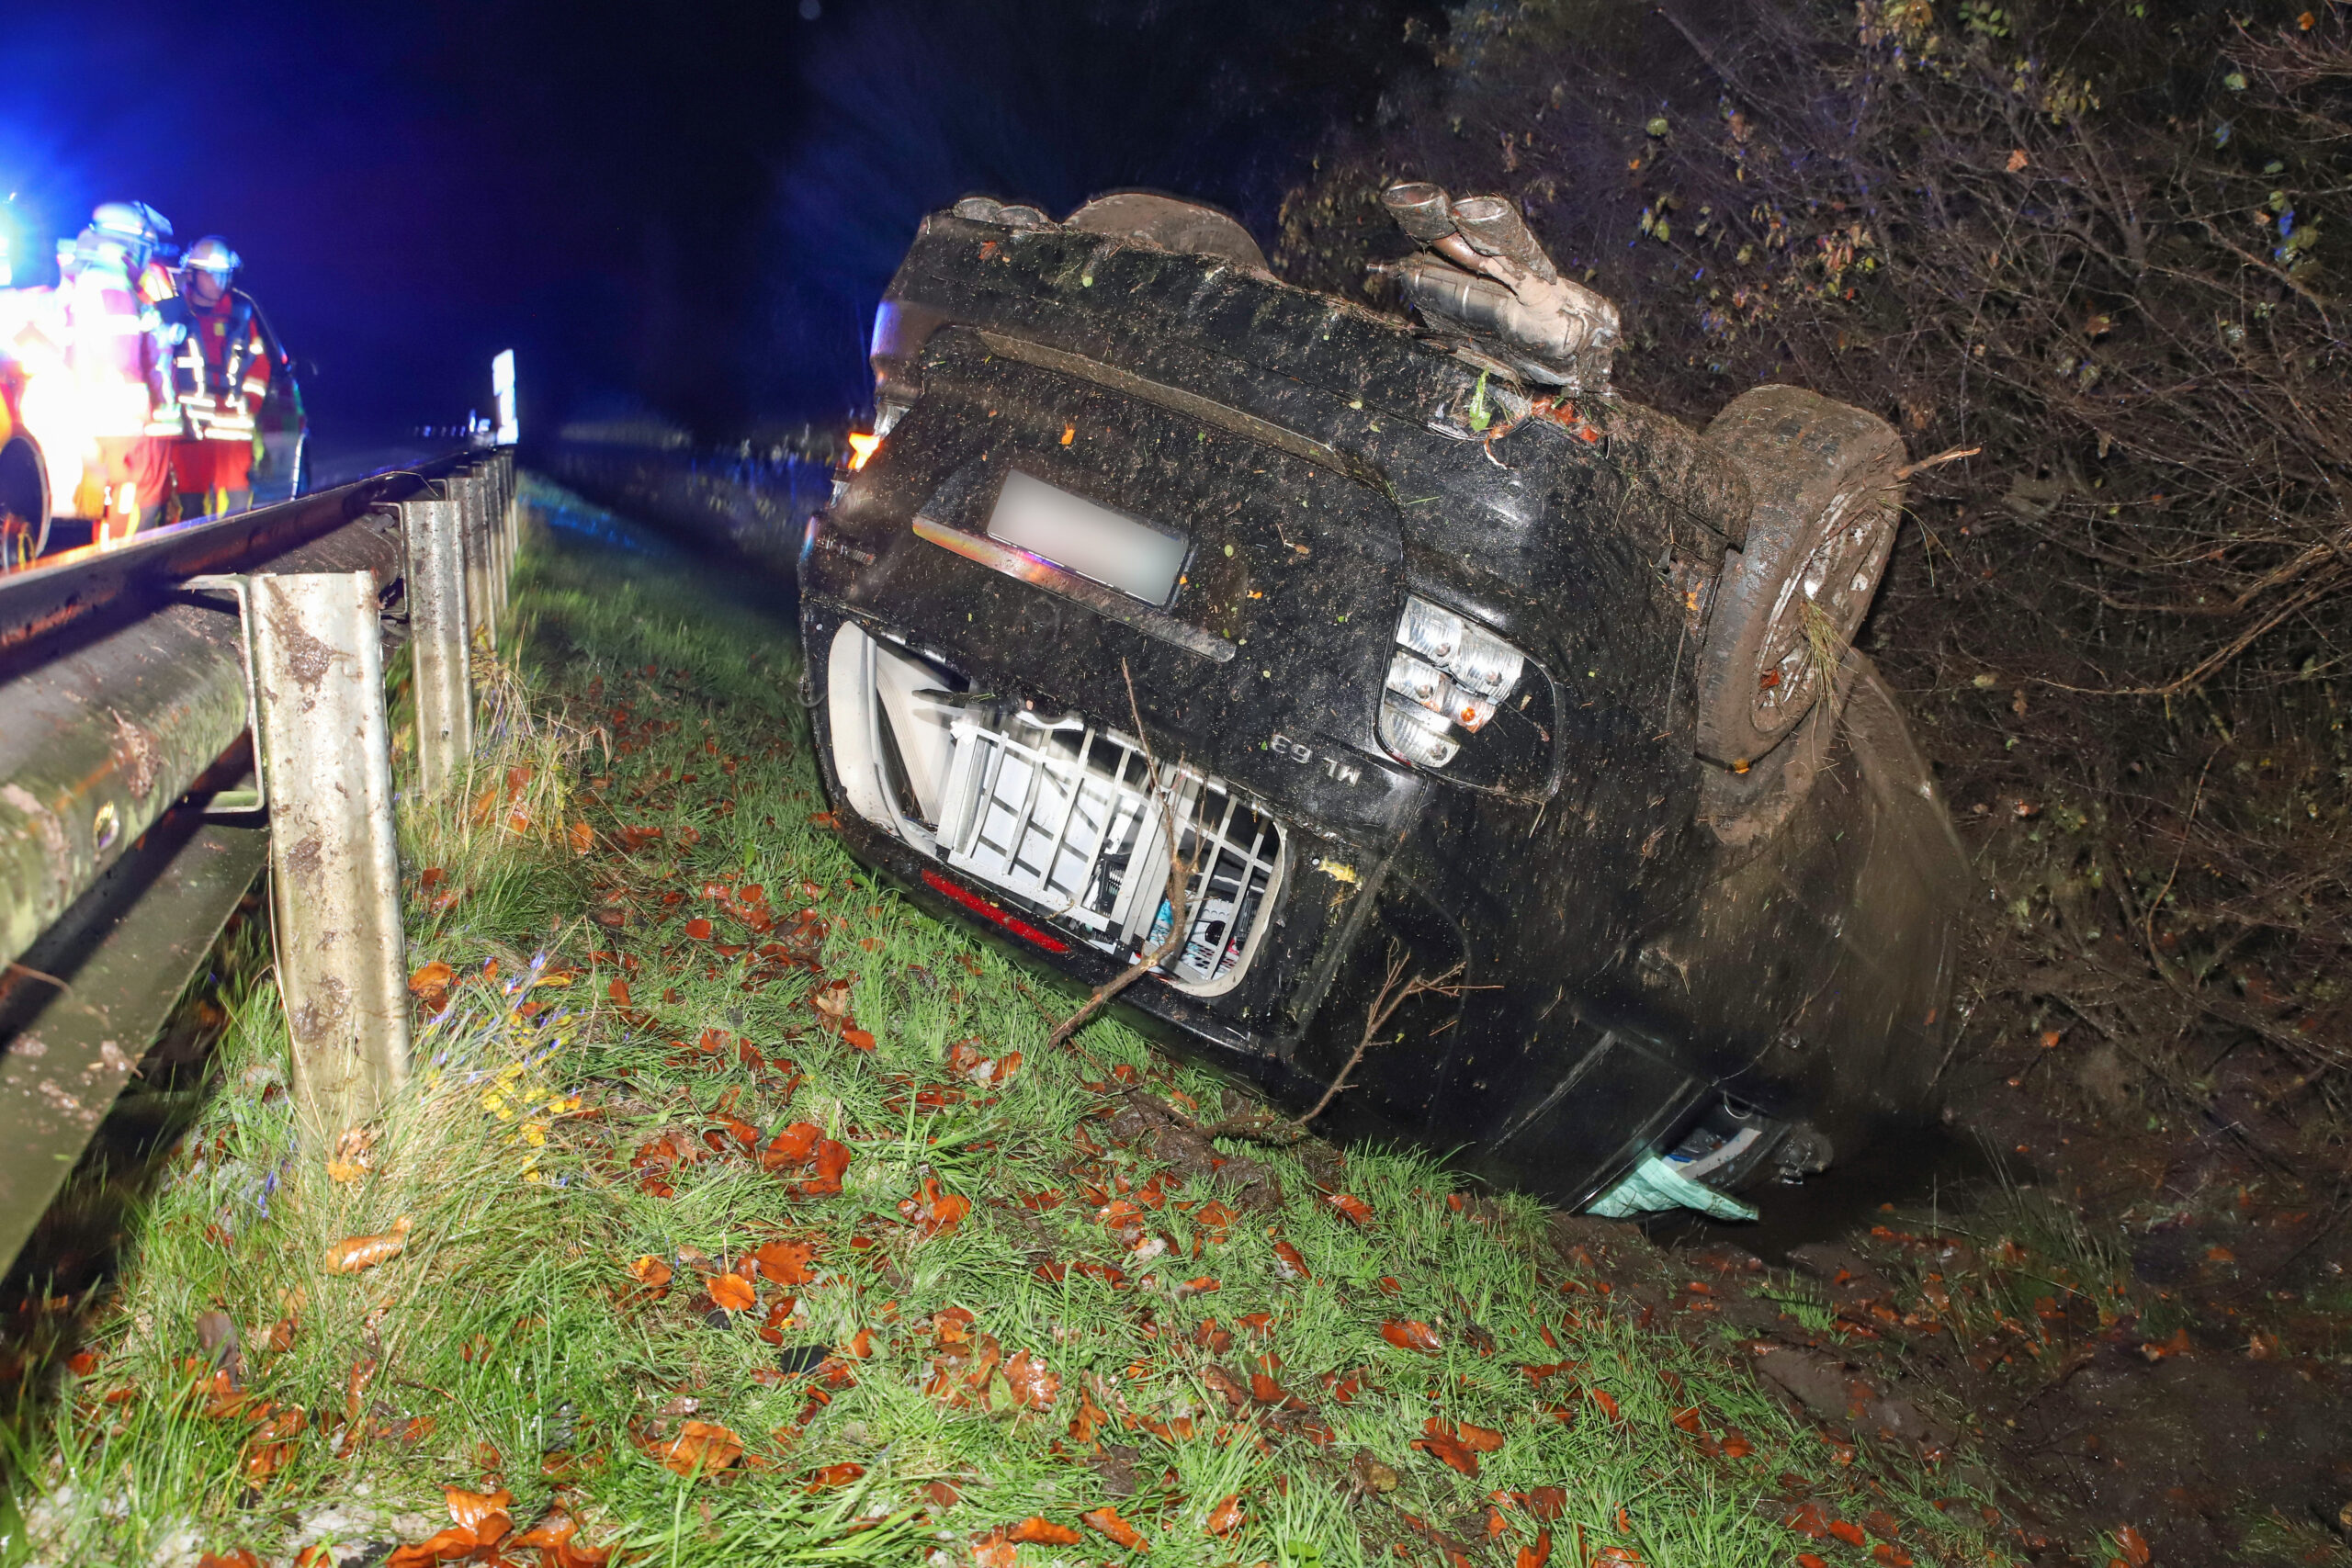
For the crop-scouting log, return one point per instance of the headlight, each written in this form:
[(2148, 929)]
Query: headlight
[(1447, 672)]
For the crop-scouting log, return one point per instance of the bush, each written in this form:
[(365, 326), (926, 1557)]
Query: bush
[(2090, 244)]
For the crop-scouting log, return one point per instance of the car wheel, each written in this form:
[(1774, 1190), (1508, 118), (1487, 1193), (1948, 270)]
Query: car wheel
[(24, 505), (1826, 479)]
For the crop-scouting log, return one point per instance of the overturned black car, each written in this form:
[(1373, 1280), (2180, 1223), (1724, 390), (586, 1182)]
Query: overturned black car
[(1184, 616)]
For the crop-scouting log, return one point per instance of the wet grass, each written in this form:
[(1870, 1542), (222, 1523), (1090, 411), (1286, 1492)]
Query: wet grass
[(626, 1294)]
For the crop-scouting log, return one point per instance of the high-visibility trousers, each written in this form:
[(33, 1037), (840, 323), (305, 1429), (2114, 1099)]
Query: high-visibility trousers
[(213, 477), (133, 469)]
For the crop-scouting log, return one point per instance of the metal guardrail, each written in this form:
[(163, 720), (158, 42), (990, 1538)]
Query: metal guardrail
[(751, 505), (136, 808)]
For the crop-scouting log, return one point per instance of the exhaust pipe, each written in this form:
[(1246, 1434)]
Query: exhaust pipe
[(1493, 228), (1420, 210), (1491, 281)]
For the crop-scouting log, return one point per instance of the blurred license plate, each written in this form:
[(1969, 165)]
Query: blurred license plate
[(1112, 548)]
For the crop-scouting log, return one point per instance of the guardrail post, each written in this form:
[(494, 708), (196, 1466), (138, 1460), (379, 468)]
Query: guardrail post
[(482, 615), (509, 512), (511, 502), (494, 500), (334, 873), (439, 646)]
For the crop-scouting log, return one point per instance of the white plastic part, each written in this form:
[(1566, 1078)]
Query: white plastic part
[(1059, 814), (866, 686)]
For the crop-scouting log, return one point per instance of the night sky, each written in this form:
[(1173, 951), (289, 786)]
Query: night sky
[(686, 210)]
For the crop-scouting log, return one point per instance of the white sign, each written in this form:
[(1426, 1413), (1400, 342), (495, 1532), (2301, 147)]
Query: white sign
[(501, 387)]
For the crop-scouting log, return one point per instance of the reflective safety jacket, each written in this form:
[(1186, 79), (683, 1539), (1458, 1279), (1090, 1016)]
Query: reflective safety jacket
[(114, 348), (220, 364)]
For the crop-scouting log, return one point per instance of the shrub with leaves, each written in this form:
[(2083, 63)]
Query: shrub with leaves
[(2095, 245)]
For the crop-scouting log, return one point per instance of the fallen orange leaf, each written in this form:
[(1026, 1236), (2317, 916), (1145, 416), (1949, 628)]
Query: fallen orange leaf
[(857, 1039), (833, 1159), (1539, 1554), (354, 1253), (431, 984), (266, 1460), (2135, 1547), (1090, 1415), (1409, 1334), (1480, 1439), (1354, 1208), (792, 1147), (1038, 1530), (733, 1292), (934, 1213), (556, 1530), (1226, 1518), (1106, 1519), (1035, 1386), (702, 1446), (583, 838), (835, 1475), (786, 1262), (1288, 1264), (448, 1546), (1439, 1443), (484, 1513), (1807, 1520)]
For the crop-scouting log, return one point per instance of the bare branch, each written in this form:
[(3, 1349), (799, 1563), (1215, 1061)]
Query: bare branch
[(1180, 884)]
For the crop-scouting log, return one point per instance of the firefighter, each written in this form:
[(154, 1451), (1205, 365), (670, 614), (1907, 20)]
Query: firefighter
[(115, 351), (220, 366)]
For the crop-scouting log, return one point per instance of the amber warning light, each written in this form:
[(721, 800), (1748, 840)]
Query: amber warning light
[(863, 443)]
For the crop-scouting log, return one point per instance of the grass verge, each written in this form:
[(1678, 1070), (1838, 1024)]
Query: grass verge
[(738, 1213)]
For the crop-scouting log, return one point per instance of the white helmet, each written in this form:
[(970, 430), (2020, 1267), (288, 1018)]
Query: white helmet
[(212, 254), (132, 224)]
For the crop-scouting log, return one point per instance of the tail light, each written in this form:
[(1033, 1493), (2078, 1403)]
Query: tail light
[(1445, 679)]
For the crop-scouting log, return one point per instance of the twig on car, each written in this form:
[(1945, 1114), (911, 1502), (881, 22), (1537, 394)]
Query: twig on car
[(1395, 991), (1180, 888)]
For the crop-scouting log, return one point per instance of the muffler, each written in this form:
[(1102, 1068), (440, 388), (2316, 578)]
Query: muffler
[(1489, 282)]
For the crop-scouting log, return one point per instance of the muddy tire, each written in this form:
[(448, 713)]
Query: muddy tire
[(24, 504), (1826, 502)]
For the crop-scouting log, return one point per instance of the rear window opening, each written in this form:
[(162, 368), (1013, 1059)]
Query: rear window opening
[(1062, 817)]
